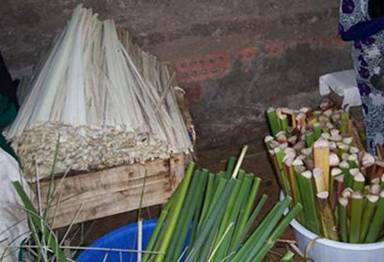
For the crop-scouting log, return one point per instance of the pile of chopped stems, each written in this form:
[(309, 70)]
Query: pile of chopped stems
[(213, 214), (321, 163)]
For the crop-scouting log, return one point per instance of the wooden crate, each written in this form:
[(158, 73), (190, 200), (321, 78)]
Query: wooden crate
[(93, 195)]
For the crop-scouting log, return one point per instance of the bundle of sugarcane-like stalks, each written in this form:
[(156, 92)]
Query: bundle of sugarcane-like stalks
[(106, 101), (320, 163), (215, 214)]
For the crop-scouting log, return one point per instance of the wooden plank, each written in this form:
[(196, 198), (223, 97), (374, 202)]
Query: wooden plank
[(112, 191), (110, 204)]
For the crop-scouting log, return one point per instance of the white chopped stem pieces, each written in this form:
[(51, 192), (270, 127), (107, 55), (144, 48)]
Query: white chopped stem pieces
[(106, 100)]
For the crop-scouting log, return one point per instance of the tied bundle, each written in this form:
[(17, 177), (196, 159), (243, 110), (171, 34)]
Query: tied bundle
[(102, 99), (214, 214), (320, 162)]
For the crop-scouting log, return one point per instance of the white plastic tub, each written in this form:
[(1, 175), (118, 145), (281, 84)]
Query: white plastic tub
[(325, 250)]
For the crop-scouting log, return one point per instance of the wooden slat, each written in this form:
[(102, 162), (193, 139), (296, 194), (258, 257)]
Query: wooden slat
[(112, 191), (110, 204)]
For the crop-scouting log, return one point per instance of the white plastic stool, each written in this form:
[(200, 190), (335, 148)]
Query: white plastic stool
[(343, 83)]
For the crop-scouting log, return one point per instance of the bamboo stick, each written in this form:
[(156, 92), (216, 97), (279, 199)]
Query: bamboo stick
[(338, 188), (279, 156), (321, 158), (319, 180), (342, 218), (309, 202), (326, 216), (273, 120), (376, 222), (357, 205), (334, 186), (369, 210), (358, 182), (292, 180)]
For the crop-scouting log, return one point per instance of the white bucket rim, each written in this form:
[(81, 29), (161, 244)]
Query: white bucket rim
[(335, 244), (331, 243)]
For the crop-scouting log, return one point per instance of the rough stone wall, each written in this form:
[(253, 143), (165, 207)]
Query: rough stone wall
[(234, 58)]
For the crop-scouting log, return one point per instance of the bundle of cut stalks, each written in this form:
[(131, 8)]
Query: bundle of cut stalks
[(321, 163), (102, 98), (215, 214)]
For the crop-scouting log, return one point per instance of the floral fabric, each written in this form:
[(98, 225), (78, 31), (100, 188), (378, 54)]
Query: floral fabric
[(367, 59)]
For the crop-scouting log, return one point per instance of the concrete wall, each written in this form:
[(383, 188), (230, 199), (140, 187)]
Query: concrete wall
[(235, 58)]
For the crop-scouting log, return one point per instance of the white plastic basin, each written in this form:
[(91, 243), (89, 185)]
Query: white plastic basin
[(325, 250)]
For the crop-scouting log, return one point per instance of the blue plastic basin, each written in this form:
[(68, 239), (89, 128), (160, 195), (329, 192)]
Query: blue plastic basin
[(122, 238)]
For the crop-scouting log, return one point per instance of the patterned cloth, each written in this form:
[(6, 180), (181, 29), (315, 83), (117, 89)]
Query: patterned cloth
[(367, 56)]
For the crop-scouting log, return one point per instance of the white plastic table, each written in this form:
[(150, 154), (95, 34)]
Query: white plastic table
[(342, 83)]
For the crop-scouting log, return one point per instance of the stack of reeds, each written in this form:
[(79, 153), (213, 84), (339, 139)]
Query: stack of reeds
[(105, 100), (320, 163), (214, 214)]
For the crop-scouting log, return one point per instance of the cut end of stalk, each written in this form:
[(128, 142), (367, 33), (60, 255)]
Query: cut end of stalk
[(359, 177), (358, 195), (306, 151), (288, 160), (382, 194), (335, 132), (353, 150), (281, 136), (336, 172), (347, 192), (343, 201), (339, 178), (354, 171), (298, 162), (323, 195), (344, 165), (325, 136), (299, 169), (342, 146), (375, 181), (292, 139), (332, 145), (345, 156), (353, 157), (373, 198), (307, 174), (375, 189), (368, 160), (321, 143), (305, 110), (301, 157), (336, 138), (277, 150), (348, 140), (290, 151), (268, 139), (334, 160)]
